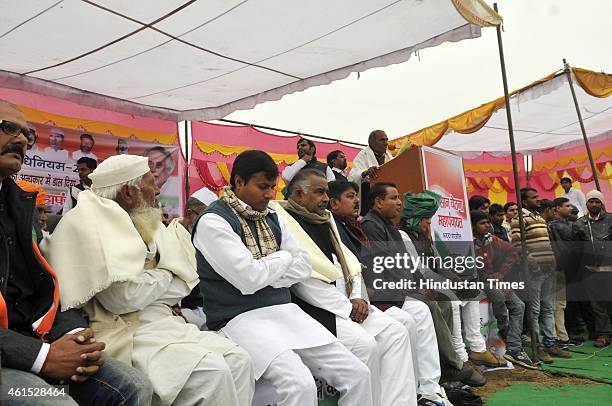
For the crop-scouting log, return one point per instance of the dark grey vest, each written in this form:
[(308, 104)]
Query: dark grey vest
[(222, 301)]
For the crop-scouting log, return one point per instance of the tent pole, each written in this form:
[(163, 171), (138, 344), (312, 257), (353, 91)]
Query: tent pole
[(568, 72), (517, 187), (186, 161)]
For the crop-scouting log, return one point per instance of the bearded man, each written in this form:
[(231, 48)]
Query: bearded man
[(128, 281)]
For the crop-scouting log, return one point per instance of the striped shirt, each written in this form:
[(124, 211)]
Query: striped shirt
[(537, 241)]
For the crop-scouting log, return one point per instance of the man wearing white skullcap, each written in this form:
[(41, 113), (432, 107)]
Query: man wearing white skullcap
[(192, 305), (127, 282), (594, 229)]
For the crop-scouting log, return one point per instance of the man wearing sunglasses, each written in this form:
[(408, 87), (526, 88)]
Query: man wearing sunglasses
[(41, 346)]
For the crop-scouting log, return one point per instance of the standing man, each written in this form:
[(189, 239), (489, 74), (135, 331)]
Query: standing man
[(541, 273), (307, 154), (40, 345), (366, 163), (594, 230), (87, 144), (511, 210), (496, 217), (499, 257), (85, 166), (247, 261), (336, 160), (560, 231), (575, 196)]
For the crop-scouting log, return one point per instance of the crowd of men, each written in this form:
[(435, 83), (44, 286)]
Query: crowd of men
[(244, 289)]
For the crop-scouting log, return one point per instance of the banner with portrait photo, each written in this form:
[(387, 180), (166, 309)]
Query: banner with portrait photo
[(51, 161)]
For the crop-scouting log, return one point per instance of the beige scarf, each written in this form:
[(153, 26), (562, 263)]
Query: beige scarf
[(267, 241), (315, 218)]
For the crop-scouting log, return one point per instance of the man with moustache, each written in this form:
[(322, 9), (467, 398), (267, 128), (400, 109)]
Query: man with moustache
[(40, 345), (378, 340), (128, 281), (247, 261), (307, 154), (336, 160), (344, 205)]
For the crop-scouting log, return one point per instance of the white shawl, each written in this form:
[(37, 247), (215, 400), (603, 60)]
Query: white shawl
[(96, 244)]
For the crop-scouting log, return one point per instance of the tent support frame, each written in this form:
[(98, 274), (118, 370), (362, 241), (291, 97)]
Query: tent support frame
[(568, 72), (517, 187), (186, 161)]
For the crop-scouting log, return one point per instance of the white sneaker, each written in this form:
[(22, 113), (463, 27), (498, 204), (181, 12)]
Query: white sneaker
[(436, 399)]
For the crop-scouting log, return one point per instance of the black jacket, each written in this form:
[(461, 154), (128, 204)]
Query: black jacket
[(596, 239), (385, 241), (20, 348)]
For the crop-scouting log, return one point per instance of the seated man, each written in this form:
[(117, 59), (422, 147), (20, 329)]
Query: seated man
[(191, 307), (39, 345), (344, 205), (247, 261), (466, 304), (386, 240), (128, 281), (499, 257), (378, 340)]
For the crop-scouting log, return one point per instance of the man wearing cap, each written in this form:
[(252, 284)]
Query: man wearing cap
[(41, 200), (192, 305), (39, 344), (128, 282), (595, 231), (56, 151)]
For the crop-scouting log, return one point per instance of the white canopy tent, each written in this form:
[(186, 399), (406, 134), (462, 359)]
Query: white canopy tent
[(201, 60), (543, 116)]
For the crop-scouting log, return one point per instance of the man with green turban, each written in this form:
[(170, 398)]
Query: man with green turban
[(415, 221)]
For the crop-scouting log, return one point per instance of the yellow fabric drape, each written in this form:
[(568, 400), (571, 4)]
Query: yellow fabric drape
[(597, 84), (100, 127), (576, 158), (594, 83), (222, 166), (228, 150)]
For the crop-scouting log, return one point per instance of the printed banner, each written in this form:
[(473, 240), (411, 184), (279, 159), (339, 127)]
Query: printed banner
[(451, 224), (51, 161)]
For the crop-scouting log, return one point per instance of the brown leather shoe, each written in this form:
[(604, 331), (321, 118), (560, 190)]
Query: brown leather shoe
[(602, 341), (486, 358)]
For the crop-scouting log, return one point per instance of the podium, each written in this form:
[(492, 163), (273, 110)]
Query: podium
[(421, 168), (407, 171)]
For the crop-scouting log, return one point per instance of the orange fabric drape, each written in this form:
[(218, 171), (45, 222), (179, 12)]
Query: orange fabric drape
[(594, 83), (597, 84)]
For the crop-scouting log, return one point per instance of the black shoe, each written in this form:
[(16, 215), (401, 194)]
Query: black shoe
[(475, 378), (564, 345), (520, 358)]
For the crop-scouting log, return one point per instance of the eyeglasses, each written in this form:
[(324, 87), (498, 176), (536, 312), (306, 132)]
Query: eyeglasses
[(14, 129)]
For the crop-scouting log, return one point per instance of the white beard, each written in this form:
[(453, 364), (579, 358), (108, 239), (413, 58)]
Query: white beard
[(146, 219)]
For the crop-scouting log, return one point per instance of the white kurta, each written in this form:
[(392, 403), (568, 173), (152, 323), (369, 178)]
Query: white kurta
[(164, 342), (291, 170), (286, 326), (380, 342), (286, 344), (365, 159)]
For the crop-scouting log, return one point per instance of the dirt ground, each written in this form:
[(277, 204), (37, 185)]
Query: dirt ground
[(498, 380)]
